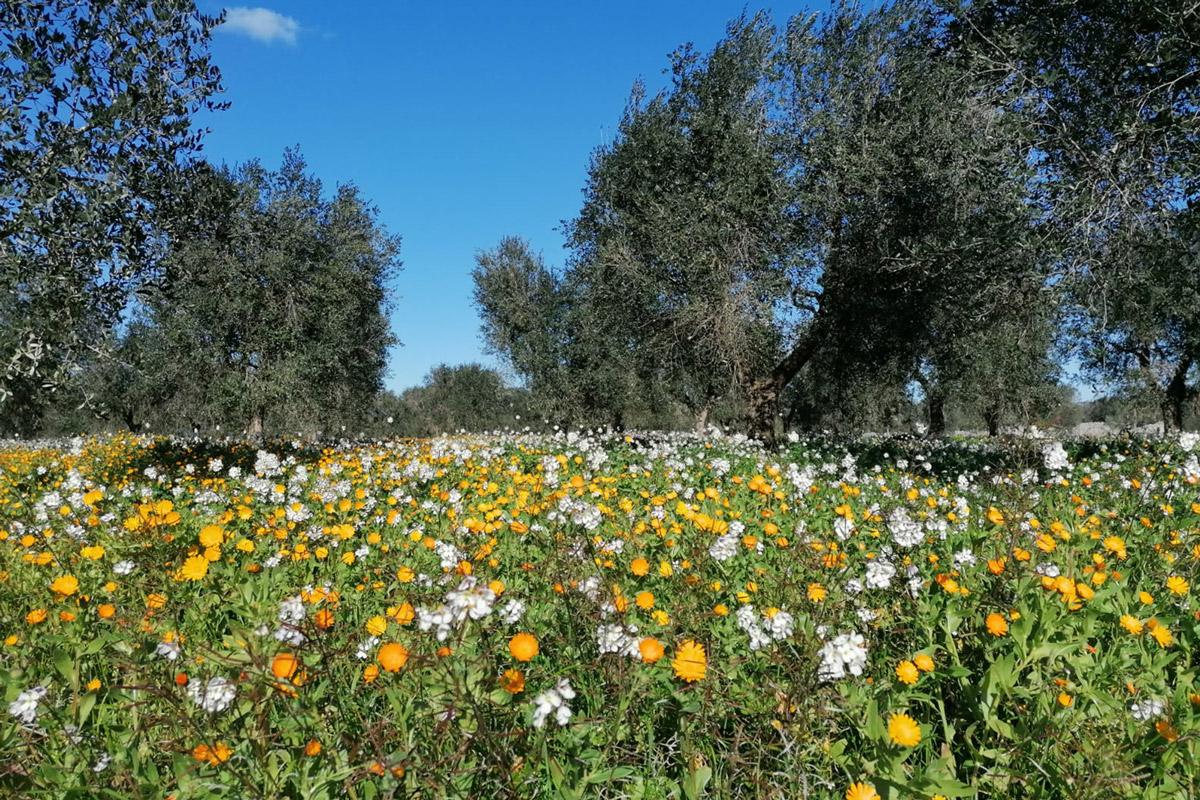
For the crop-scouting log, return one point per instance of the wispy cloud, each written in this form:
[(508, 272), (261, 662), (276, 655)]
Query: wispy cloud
[(262, 24)]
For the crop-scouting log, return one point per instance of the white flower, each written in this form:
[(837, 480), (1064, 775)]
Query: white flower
[(512, 611), (724, 547), (905, 532), (124, 567), (215, 695), (1054, 457), (964, 558), (292, 610), (102, 763), (1147, 709), (781, 626), (169, 650), (25, 706), (880, 574), (843, 528), (748, 621), (846, 653), (553, 700), (617, 639)]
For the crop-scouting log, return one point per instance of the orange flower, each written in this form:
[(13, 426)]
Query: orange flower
[(284, 665), (392, 656), (651, 649), (106, 611), (640, 567), (690, 662), (997, 625), (923, 662), (523, 646), (313, 748), (513, 681), (36, 616), (323, 618)]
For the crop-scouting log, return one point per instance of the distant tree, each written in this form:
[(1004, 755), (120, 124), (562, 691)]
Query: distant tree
[(95, 108), (524, 309), (683, 238), (467, 397), (280, 305)]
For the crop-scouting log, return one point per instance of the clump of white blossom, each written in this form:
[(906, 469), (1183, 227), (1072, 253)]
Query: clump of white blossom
[(845, 654), (553, 701)]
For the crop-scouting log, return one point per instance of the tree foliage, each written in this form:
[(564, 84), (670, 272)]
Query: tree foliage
[(273, 314), (96, 102)]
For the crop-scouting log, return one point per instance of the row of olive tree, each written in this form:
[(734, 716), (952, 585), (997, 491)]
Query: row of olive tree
[(922, 194)]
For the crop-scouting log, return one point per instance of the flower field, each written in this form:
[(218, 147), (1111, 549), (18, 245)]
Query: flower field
[(571, 616)]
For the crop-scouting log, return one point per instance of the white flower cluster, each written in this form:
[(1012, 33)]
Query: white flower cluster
[(905, 532), (266, 464), (880, 574), (845, 654), (553, 700), (724, 547), (512, 611), (169, 650), (1054, 457), (215, 695), (1148, 709), (25, 707), (777, 627), (291, 612), (470, 600), (617, 639), (843, 528)]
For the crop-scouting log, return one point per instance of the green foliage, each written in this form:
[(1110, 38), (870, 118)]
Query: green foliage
[(95, 106), (1109, 91), (272, 314)]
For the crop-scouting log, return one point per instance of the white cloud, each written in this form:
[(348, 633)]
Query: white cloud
[(261, 24)]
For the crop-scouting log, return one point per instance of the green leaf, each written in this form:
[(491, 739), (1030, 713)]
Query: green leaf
[(694, 785)]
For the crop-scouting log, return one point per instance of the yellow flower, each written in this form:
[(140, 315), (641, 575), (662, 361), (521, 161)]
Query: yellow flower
[(994, 516), (193, 569), (816, 592), (376, 626), (1146, 598), (907, 672), (1131, 624), (66, 586), (1065, 700), (861, 791), (38, 615), (212, 536), (923, 662), (1177, 585), (904, 731), (1161, 635), (94, 553), (690, 662)]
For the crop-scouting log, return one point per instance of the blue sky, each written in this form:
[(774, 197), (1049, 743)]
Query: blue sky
[(463, 122)]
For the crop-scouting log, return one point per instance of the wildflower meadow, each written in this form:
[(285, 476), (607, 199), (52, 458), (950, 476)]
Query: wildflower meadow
[(599, 615)]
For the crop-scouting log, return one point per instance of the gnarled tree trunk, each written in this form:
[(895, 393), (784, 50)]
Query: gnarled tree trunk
[(1176, 395)]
